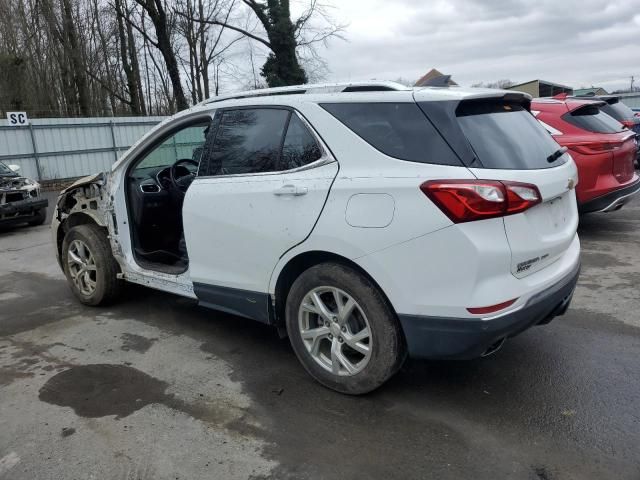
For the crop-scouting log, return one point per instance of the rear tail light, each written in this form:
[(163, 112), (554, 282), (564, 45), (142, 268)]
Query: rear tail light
[(470, 200), (594, 148)]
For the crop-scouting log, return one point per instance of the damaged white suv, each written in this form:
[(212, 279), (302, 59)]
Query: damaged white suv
[(365, 221)]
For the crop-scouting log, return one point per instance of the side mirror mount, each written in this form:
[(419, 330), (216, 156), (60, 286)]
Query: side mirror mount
[(14, 168)]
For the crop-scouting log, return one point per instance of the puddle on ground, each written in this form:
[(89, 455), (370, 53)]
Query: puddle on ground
[(137, 343), (101, 389)]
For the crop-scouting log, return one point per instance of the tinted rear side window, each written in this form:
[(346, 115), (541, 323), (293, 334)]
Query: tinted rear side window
[(506, 136), (592, 119), (399, 130)]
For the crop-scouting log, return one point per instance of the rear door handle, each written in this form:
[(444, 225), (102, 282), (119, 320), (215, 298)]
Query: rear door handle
[(291, 190)]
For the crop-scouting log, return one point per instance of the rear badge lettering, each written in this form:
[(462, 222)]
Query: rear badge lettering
[(526, 265)]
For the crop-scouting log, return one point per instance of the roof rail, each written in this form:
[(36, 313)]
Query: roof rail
[(372, 86)]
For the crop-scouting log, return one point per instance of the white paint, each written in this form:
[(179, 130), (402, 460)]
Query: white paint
[(236, 227), (370, 210)]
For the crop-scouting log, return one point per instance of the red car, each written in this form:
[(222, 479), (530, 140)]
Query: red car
[(603, 149)]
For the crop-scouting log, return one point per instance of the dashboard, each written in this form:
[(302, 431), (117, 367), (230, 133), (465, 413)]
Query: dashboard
[(160, 176)]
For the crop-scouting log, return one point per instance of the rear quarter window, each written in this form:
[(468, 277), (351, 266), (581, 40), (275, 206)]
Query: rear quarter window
[(592, 119), (399, 130)]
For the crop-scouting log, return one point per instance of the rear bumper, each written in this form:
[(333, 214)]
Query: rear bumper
[(611, 201), (465, 338), (20, 211)]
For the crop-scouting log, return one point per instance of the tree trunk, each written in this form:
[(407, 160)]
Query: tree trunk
[(75, 58), (124, 56), (158, 16), (204, 61), (105, 57), (135, 67), (282, 66)]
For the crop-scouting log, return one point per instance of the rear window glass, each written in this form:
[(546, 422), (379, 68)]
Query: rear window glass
[(592, 119), (506, 136), (618, 110), (399, 130)]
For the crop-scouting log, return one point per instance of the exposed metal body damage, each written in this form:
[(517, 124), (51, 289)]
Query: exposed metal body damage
[(84, 196), (83, 202), (93, 199), (20, 200)]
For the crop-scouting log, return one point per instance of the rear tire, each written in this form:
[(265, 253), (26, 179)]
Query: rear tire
[(89, 265), (38, 218), (343, 330)]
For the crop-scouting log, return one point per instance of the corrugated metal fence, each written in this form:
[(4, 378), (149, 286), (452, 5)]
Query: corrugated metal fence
[(57, 148)]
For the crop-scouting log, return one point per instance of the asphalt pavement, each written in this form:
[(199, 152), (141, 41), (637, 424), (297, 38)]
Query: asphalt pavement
[(155, 387)]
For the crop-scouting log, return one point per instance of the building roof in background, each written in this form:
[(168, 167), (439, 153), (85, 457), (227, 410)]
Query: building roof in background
[(515, 87), (430, 75), (590, 91)]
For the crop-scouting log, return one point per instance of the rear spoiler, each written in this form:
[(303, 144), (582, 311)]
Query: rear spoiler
[(572, 107), (519, 98), (610, 99)]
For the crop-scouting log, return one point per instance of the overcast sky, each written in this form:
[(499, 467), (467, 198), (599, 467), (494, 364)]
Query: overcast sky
[(573, 42)]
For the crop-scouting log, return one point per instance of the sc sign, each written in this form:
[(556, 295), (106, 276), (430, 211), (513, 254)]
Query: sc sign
[(17, 119)]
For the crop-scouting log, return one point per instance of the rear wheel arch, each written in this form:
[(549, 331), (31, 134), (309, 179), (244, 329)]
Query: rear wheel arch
[(303, 261)]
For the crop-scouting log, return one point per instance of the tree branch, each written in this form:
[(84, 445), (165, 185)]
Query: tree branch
[(258, 9), (108, 88), (142, 32), (226, 25)]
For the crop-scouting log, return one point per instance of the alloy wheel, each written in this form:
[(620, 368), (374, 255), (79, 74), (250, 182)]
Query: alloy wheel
[(82, 267), (335, 331)]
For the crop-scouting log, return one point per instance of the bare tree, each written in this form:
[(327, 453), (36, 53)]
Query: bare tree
[(115, 57), (499, 84), (284, 37), (157, 13), (205, 41)]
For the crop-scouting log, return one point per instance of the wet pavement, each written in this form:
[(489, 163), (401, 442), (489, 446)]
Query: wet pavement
[(155, 387)]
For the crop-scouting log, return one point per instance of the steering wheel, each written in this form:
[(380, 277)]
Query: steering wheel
[(179, 181)]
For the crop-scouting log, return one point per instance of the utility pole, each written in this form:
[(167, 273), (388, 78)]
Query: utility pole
[(632, 82)]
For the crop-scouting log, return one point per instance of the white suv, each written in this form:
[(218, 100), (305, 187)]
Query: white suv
[(365, 221)]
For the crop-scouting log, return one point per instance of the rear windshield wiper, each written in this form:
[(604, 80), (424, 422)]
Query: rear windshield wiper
[(557, 154)]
